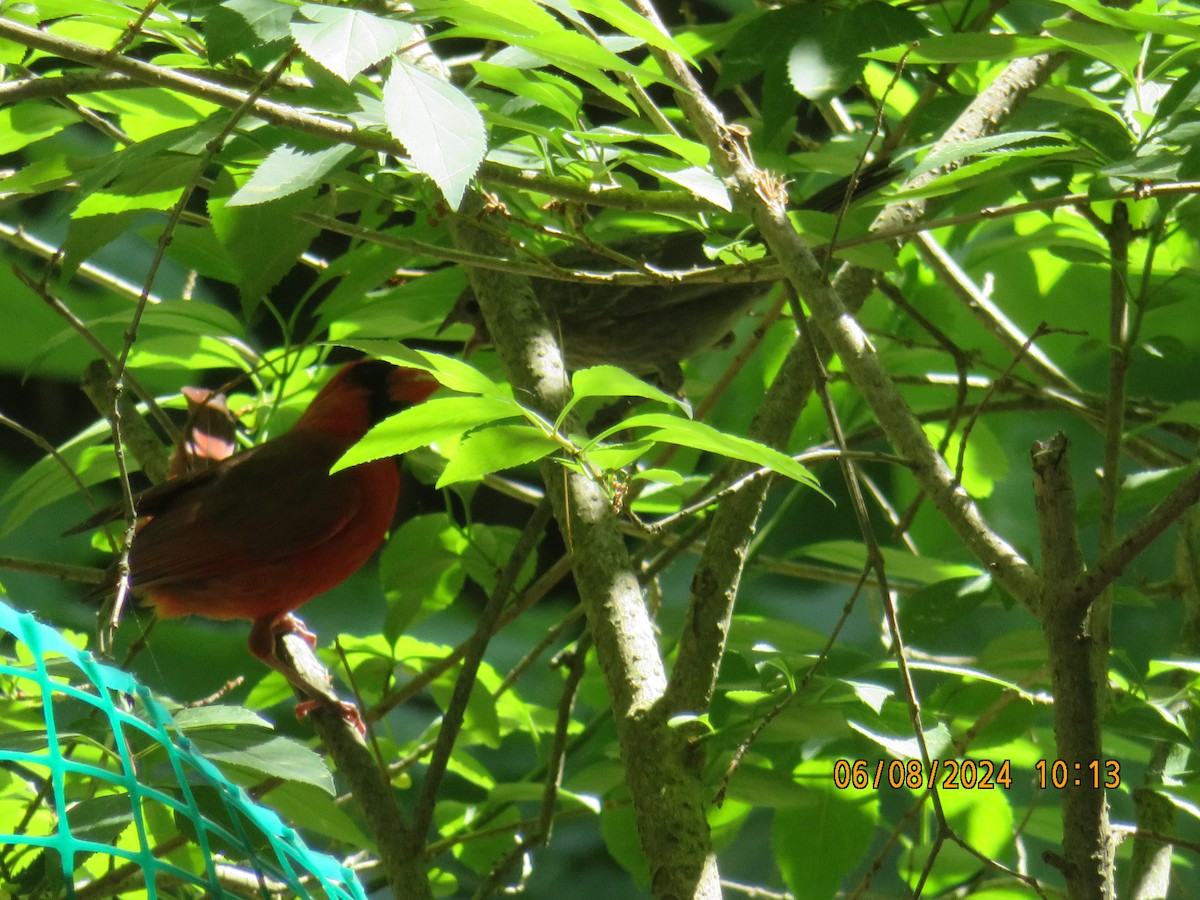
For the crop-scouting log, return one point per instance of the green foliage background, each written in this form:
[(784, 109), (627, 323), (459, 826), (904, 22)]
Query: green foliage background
[(254, 182)]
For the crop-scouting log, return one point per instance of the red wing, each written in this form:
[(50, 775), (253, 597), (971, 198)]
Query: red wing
[(260, 508)]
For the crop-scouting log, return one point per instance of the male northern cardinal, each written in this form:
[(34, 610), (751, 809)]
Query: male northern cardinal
[(259, 534)]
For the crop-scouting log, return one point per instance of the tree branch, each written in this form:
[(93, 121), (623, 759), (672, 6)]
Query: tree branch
[(763, 199), (401, 850), (660, 763), (339, 131), (1087, 861)]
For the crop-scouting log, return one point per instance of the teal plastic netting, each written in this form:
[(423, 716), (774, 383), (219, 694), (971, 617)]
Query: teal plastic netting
[(102, 773)]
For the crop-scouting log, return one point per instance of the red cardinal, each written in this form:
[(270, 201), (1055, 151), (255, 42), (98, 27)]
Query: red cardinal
[(261, 533)]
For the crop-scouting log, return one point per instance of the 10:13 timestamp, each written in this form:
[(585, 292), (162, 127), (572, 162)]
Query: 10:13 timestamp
[(1097, 773)]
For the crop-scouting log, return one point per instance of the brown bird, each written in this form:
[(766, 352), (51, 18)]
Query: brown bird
[(645, 329), (650, 329)]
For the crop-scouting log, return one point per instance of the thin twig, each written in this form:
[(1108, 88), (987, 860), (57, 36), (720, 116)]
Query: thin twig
[(452, 719)]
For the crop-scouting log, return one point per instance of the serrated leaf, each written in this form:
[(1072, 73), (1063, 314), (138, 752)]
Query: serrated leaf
[(937, 740), (463, 377), (613, 381), (956, 152), (837, 827), (227, 33), (699, 436), (899, 563), (286, 171), (347, 41), (152, 187), (277, 756), (449, 370), (318, 813), (217, 716), (815, 73), (537, 87), (264, 240), (24, 123), (421, 569), (701, 182), (439, 126), (426, 423), (494, 449), (268, 18), (621, 17)]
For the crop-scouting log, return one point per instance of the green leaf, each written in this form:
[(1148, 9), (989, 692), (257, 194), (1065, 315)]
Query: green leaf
[(286, 171), (347, 41), (965, 48), (494, 449), (460, 376), (24, 123), (621, 17), (268, 18), (824, 62), (937, 739), (939, 608), (277, 756), (611, 457), (984, 820), (317, 813), (492, 20), (956, 152), (87, 235), (984, 464), (619, 830), (768, 788), (818, 844), (217, 716), (425, 423), (264, 240), (101, 819), (852, 555), (1136, 21), (699, 436), (487, 552), (89, 456), (438, 125), (185, 351), (540, 88), (40, 175), (153, 187), (612, 381), (701, 182), (227, 33), (422, 570)]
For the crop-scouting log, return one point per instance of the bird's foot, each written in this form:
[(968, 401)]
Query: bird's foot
[(346, 710), (292, 624)]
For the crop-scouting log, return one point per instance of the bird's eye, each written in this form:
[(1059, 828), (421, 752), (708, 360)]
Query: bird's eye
[(473, 307)]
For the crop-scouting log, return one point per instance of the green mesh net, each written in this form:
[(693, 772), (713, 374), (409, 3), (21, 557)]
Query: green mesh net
[(102, 796)]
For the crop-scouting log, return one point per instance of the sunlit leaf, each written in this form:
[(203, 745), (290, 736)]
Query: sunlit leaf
[(439, 126)]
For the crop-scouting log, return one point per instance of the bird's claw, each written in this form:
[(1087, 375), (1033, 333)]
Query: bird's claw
[(291, 624), (346, 710)]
